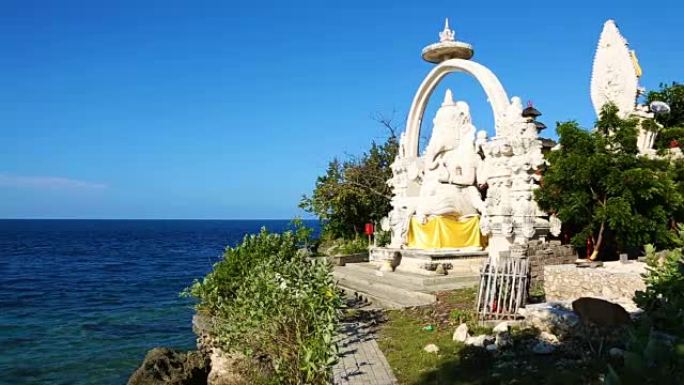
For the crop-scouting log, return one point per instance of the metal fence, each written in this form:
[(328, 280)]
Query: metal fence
[(503, 287)]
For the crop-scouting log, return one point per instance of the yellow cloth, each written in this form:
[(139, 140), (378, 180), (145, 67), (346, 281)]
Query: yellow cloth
[(443, 232)]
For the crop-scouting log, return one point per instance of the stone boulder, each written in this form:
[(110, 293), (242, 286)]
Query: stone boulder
[(503, 340), (163, 366), (616, 352), (554, 318), (502, 327), (601, 313), (543, 347), (548, 337), (480, 341), (461, 333)]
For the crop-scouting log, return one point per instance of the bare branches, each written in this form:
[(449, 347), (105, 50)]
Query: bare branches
[(387, 122)]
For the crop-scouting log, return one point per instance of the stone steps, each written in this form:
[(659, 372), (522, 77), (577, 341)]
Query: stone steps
[(379, 293), (396, 289), (417, 282)]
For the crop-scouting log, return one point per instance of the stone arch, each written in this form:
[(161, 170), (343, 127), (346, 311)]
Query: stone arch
[(498, 98)]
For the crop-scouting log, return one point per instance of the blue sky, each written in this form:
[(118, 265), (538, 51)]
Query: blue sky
[(179, 109)]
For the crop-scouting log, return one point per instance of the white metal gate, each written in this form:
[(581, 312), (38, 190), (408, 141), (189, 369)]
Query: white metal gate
[(503, 287)]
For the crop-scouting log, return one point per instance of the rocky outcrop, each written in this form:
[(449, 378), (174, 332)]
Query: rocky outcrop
[(229, 369), (226, 368), (209, 365), (163, 366)]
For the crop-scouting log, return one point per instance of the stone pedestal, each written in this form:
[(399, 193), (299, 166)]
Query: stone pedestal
[(427, 262)]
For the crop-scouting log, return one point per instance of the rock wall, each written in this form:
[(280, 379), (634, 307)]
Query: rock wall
[(615, 282), (545, 254)]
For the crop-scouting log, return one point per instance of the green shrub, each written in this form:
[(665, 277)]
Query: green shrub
[(271, 302), (353, 246), (663, 299), (467, 316), (647, 360), (346, 246), (383, 238)]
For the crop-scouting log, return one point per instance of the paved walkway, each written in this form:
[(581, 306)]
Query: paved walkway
[(361, 361)]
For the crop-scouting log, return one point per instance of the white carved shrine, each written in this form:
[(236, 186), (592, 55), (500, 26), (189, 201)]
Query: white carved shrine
[(465, 196), (468, 196)]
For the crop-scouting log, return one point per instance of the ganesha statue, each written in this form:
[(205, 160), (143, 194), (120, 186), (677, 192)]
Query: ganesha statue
[(448, 196)]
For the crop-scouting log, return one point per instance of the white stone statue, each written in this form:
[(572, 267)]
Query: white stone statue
[(615, 75), (615, 79), (450, 164), (444, 180)]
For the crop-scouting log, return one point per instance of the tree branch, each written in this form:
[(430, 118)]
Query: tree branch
[(369, 188), (387, 122)]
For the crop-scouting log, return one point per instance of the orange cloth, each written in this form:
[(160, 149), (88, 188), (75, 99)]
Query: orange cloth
[(444, 232)]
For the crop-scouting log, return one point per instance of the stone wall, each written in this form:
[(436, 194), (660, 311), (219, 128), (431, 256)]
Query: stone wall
[(615, 282), (544, 254)]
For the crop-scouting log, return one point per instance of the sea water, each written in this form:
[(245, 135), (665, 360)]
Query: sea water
[(82, 301)]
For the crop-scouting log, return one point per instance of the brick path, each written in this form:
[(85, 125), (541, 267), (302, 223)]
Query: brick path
[(361, 361)]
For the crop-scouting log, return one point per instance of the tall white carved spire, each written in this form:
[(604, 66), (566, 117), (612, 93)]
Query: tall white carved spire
[(615, 75), (448, 98), (447, 34)]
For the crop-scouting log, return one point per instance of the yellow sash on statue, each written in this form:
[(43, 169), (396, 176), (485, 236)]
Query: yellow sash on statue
[(444, 232)]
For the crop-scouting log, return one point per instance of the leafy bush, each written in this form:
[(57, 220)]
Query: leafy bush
[(383, 238), (663, 300), (353, 246), (269, 301), (649, 359), (347, 246)]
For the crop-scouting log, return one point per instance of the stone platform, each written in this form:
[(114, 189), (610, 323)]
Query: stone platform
[(425, 262), (398, 289)]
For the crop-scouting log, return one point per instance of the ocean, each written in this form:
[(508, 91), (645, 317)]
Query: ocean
[(82, 301)]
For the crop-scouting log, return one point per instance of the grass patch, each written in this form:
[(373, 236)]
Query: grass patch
[(402, 339)]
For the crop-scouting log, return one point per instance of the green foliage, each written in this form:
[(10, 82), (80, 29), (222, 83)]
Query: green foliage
[(663, 299), (667, 135), (269, 301), (342, 246), (403, 336), (354, 192), (383, 238), (648, 360), (467, 316), (601, 189), (353, 246), (536, 293), (673, 95)]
